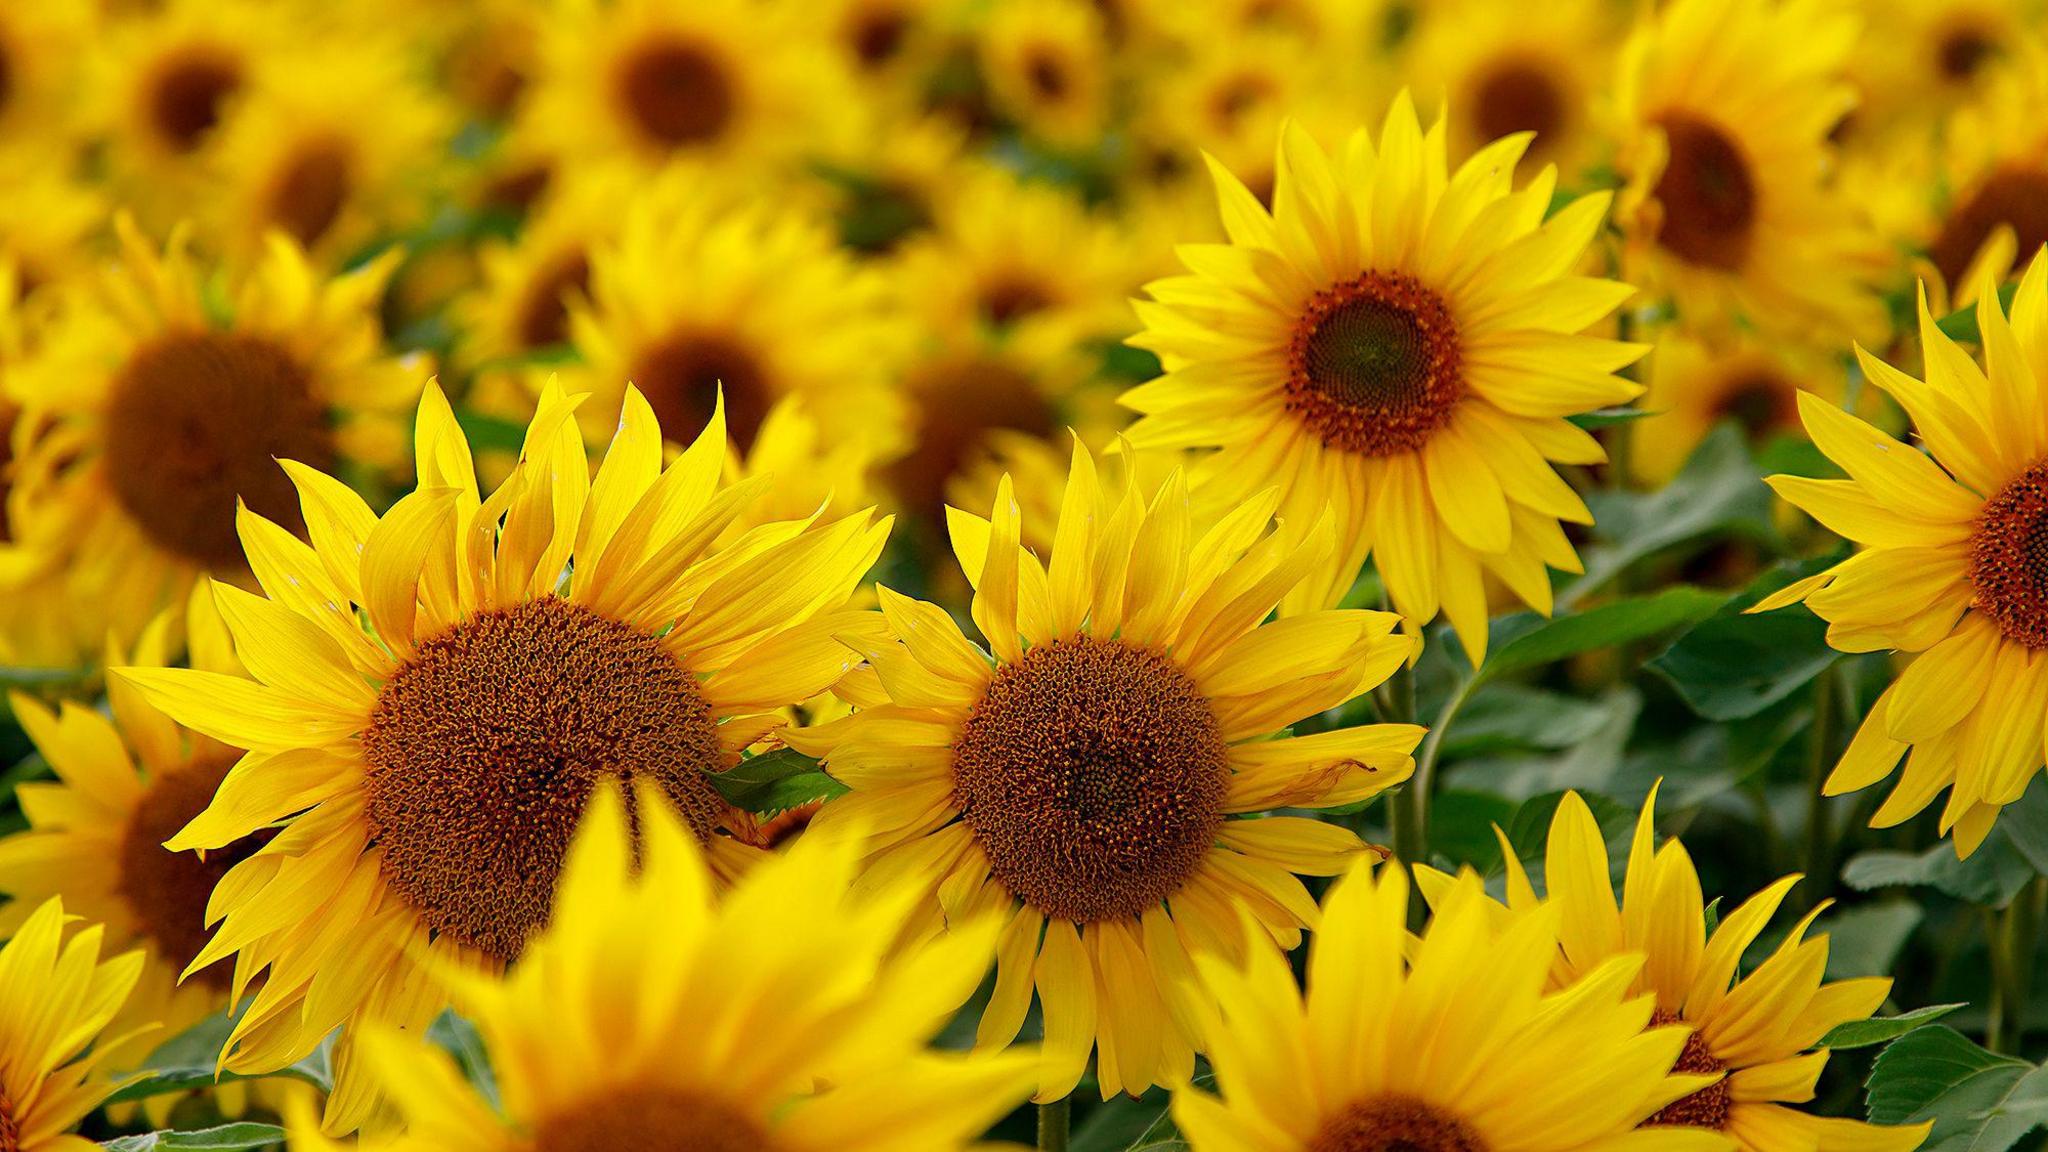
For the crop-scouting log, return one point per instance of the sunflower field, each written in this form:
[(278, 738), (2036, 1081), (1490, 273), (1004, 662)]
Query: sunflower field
[(1098, 575)]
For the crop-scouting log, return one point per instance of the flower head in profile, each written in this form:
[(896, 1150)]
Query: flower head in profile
[(1097, 773), (434, 695)]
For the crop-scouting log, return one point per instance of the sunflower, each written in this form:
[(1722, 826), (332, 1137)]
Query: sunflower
[(1757, 1031), (56, 997), (146, 414), (1725, 108), (126, 781), (704, 287), (1947, 567), (1933, 56), (1450, 1045), (40, 48), (724, 1027), (1400, 345), (1046, 64), (743, 83), (1698, 383), (1079, 775), (888, 43), (425, 763), (51, 226)]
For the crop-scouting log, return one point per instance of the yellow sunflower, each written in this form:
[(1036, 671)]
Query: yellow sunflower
[(780, 1017), (1931, 56), (434, 700), (1725, 108), (147, 413), (1080, 775), (40, 48), (127, 780), (56, 997), (1946, 567), (702, 288), (1452, 1044), (52, 226), (1756, 1032), (1046, 65), (1400, 345), (1697, 383)]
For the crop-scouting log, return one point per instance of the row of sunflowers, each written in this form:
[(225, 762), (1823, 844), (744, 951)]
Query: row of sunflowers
[(1114, 575)]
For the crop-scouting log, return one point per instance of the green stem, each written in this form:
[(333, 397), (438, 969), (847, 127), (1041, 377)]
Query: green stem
[(1054, 1122), (1820, 837), (2012, 934)]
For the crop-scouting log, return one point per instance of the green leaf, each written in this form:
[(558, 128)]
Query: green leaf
[(188, 1061), (1991, 876), (1731, 666), (1717, 493), (461, 1040), (1461, 827), (1979, 1101), (776, 782), (225, 1138), (491, 433), (1884, 1029), (1515, 717), (1866, 940), (1122, 1124), (1961, 324), (1608, 417), (1604, 626)]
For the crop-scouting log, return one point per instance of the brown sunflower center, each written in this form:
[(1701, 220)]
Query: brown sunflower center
[(681, 377), (1758, 400), (311, 189), (1046, 72), (10, 1129), (2009, 558), (678, 91), (1092, 773), (1708, 194), (544, 316), (961, 403), (1236, 97), (1373, 364), (2016, 196), (185, 101), (484, 747), (8, 416), (1517, 95), (196, 419), (653, 1119), (1012, 296), (1963, 50), (1395, 1124), (167, 891), (1706, 1108), (877, 35)]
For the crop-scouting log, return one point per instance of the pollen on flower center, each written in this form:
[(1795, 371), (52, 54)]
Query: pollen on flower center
[(652, 1117), (1092, 773), (1518, 96), (1708, 195), (168, 891), (195, 420), (681, 376), (1373, 366), (185, 102), (2009, 558), (2015, 196), (311, 189), (1706, 1108), (1395, 1124), (485, 746), (677, 91)]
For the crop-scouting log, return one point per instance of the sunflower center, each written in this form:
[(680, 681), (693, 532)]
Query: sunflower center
[(1963, 50), (1237, 97), (1373, 364), (1395, 1124), (1518, 95), (186, 100), (1046, 72), (678, 91), (311, 189), (1708, 194), (7, 418), (544, 317), (484, 747), (1706, 1108), (1011, 297), (651, 1118), (1092, 773), (962, 402), (2009, 558), (1757, 400), (2015, 196), (877, 35), (168, 891), (681, 377), (196, 419), (10, 1130)]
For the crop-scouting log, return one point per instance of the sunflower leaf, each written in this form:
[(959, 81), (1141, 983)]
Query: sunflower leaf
[(1884, 1029), (1607, 625), (1979, 1101), (225, 1138), (776, 782), (1732, 666)]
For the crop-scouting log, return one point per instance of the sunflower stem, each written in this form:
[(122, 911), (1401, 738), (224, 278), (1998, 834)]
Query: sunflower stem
[(1820, 837), (1055, 1121), (2012, 933)]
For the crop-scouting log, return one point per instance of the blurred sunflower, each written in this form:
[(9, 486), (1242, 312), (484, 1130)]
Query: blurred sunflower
[(1047, 68), (521, 305), (888, 43), (655, 1013), (1451, 1044), (1227, 100), (56, 997), (1506, 67), (161, 396), (1933, 56), (1757, 1029), (1696, 384), (51, 226), (1079, 775), (126, 782), (1948, 567), (1725, 108), (40, 49), (702, 287), (1399, 345), (424, 763)]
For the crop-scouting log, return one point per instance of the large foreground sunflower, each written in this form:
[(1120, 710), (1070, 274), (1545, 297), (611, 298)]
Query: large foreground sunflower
[(1401, 345), (1082, 773), (1453, 1045), (56, 997), (436, 693), (654, 1013), (1757, 1031)]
